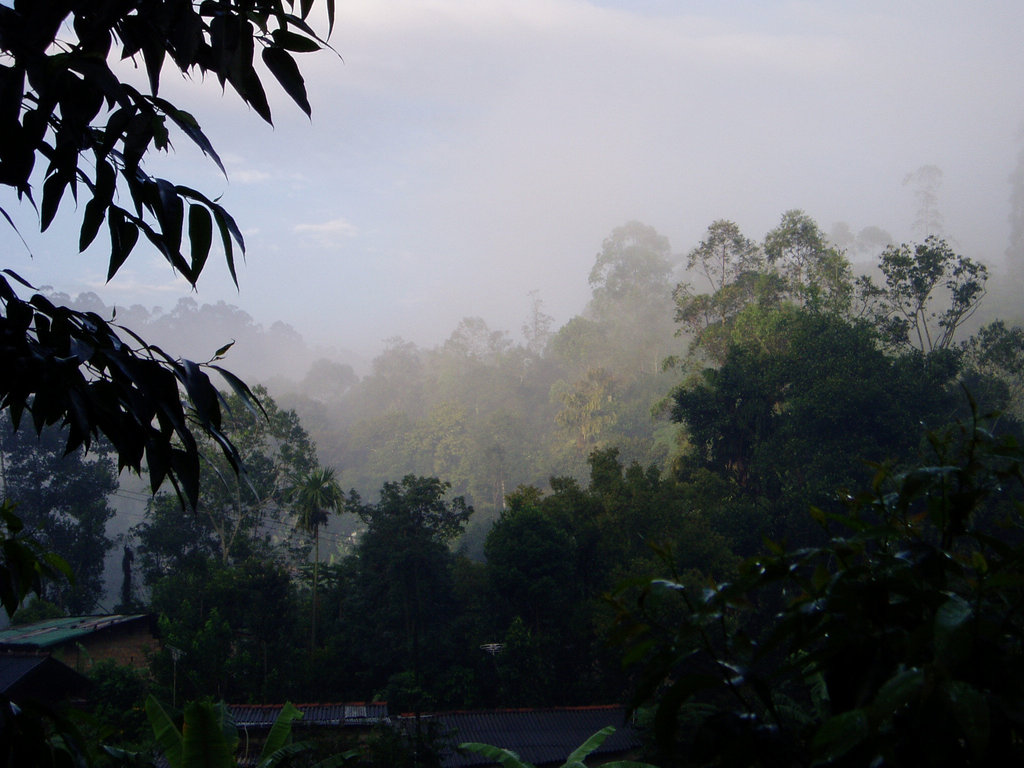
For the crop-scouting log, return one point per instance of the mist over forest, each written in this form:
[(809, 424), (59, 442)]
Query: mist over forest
[(492, 409), (595, 355)]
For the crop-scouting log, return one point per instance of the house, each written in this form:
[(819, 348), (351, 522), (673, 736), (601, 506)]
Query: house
[(81, 641), (333, 726), (39, 678), (539, 736)]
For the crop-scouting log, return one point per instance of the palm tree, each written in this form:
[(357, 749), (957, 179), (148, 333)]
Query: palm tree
[(315, 494)]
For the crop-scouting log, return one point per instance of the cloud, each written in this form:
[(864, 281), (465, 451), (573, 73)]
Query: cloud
[(249, 176), (327, 233)]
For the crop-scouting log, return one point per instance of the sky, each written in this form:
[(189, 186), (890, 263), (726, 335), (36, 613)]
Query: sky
[(465, 153)]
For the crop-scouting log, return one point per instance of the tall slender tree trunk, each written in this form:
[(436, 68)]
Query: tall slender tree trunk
[(316, 594)]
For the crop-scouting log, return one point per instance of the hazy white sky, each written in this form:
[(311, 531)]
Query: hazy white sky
[(463, 153)]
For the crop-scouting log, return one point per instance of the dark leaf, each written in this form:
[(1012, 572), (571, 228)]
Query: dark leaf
[(292, 41), (200, 235), (190, 127), (53, 191), (19, 278)]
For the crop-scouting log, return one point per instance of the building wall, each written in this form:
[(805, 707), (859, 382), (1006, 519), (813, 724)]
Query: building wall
[(128, 646)]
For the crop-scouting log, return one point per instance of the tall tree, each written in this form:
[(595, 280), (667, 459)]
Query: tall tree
[(314, 494), (404, 588), (926, 182), (816, 272), (733, 267), (634, 259), (929, 292)]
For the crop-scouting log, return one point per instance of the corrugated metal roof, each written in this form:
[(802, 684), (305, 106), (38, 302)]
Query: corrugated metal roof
[(538, 736), (16, 668), (351, 714), (38, 676), (53, 632)]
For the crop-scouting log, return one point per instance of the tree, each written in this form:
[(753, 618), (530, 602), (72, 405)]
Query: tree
[(403, 595), (632, 300), (537, 328), (789, 425), (63, 501), (633, 260), (1015, 247), (61, 103), (733, 267), (994, 367), (327, 381), (925, 182), (724, 255), (749, 285), (530, 565), (817, 274), (587, 408), (315, 494), (234, 513), (919, 277), (474, 340), (235, 628)]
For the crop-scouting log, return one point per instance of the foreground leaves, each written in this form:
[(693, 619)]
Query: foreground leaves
[(74, 369), (509, 759), (898, 642)]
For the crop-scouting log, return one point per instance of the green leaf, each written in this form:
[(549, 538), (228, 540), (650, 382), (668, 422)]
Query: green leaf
[(223, 350), (280, 732), (897, 691), (241, 389), (335, 761), (667, 715), (224, 223), (165, 732), (208, 738), (504, 757), (91, 221), (153, 52), (170, 212), (251, 89), (839, 734), (583, 750)]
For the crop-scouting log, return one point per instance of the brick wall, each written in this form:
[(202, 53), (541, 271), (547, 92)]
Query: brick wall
[(129, 646)]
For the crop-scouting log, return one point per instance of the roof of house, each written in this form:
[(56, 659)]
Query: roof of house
[(538, 736), (55, 632), (40, 677), (351, 714)]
